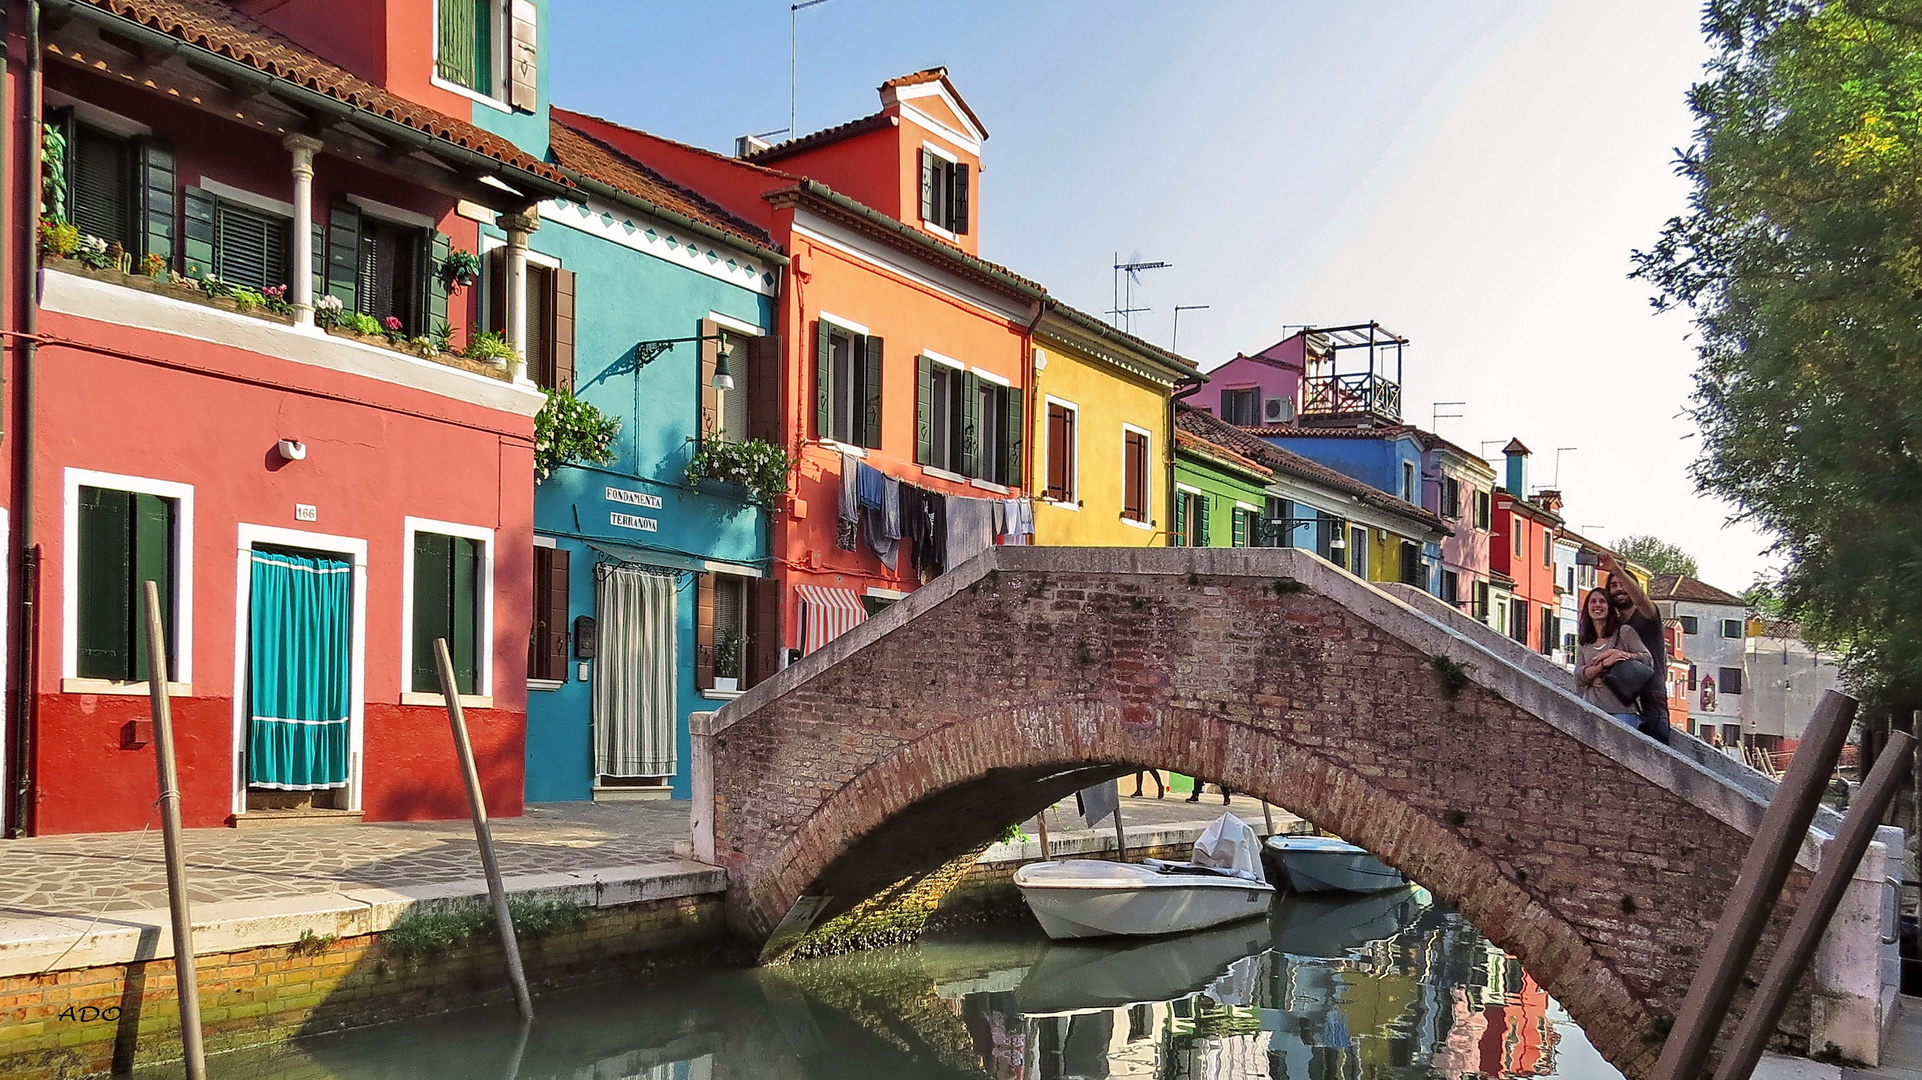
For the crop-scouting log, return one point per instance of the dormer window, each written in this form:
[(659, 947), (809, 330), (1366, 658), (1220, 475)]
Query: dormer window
[(944, 191), (487, 48)]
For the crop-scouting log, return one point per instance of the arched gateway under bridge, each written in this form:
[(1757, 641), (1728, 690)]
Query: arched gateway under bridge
[(1599, 858)]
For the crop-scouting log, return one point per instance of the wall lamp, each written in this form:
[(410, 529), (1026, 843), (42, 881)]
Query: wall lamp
[(647, 352)]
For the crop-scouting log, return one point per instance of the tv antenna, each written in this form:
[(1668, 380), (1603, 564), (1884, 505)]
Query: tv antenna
[(1558, 463), (1126, 276), (1179, 308), (1437, 415), (794, 53)]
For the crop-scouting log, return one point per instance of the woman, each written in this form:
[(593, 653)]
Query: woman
[(1605, 642)]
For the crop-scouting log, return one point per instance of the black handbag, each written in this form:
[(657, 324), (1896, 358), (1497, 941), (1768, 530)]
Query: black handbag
[(1628, 678)]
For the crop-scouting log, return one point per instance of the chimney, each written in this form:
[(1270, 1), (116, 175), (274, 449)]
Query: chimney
[(1517, 456), (1550, 500)]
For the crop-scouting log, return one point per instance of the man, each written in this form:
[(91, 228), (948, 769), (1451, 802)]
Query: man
[(1633, 607)]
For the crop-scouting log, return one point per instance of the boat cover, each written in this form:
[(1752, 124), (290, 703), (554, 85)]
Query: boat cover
[(1230, 846)]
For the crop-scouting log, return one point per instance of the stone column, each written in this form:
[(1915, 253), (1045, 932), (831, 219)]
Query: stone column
[(517, 226), (301, 288)]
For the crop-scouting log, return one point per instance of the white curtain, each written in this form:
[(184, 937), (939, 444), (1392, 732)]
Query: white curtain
[(634, 674)]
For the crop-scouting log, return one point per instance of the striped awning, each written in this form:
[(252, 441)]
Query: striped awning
[(827, 613)]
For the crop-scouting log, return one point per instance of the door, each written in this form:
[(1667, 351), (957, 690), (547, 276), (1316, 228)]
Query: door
[(299, 678)]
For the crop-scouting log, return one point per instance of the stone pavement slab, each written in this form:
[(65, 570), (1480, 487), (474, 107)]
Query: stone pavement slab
[(88, 875)]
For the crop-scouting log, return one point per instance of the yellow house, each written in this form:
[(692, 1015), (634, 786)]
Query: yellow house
[(1101, 466)]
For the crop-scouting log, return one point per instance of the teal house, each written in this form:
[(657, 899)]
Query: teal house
[(657, 308)]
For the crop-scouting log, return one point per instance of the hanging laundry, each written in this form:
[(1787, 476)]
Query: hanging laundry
[(970, 528), (848, 526), (924, 521), (880, 496), (1014, 522)]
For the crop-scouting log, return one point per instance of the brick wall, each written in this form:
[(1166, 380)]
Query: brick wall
[(922, 734), (85, 1021)]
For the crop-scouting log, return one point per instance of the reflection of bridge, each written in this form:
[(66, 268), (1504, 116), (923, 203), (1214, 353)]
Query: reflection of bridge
[(1599, 858)]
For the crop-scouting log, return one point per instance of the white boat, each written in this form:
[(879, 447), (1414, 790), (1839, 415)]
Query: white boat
[(1325, 864), (1081, 898)]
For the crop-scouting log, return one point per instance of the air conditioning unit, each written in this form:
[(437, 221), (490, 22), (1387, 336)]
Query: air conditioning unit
[(1278, 410)]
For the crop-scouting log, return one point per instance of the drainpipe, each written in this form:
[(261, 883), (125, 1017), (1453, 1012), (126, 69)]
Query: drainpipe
[(1030, 411), (29, 315), (1185, 387)]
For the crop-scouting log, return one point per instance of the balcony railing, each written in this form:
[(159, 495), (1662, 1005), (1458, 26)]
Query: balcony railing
[(1362, 392)]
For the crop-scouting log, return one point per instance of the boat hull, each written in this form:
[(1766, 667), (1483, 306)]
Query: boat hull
[(1084, 898), (1328, 865)]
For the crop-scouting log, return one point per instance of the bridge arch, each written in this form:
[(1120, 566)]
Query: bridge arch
[(1597, 857)]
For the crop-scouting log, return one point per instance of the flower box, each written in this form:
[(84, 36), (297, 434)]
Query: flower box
[(379, 341), (157, 287)]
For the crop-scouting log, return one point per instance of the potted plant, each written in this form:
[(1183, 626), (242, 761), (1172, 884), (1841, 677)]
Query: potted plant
[(727, 659), (760, 467), (459, 269)]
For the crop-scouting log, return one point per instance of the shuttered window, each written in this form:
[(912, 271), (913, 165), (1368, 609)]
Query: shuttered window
[(1134, 476), (1061, 452), (467, 44), (1412, 571), (102, 185), (734, 402), (391, 278), (250, 247), (547, 644), (447, 592), (944, 192), (125, 538), (847, 386), (1241, 407)]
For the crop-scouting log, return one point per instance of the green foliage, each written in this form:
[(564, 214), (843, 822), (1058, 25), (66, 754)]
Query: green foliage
[(248, 298), (1658, 556), (311, 943), (489, 346), (727, 652), (1012, 834), (459, 268), (360, 323), (760, 467), (421, 931), (57, 238), (53, 174), (1800, 254), (568, 430), (1450, 673)]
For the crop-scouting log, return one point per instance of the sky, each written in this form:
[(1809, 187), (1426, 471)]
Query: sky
[(1473, 175)]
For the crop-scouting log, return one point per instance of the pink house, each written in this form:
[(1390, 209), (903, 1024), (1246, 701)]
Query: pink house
[(1261, 389)]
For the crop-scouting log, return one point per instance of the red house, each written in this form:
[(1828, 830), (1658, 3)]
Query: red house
[(316, 505), (1522, 547)]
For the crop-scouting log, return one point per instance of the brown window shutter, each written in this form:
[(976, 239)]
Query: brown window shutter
[(540, 325), (557, 586), (1135, 468), (710, 397), (537, 634), (1058, 435), (764, 389), (523, 56), (763, 648), (562, 307), (704, 632), (496, 292)]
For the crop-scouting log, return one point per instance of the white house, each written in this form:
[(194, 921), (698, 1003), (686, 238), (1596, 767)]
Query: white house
[(1715, 637), (1786, 677)]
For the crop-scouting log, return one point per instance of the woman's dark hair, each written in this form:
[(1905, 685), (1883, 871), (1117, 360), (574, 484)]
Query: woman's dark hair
[(1591, 633)]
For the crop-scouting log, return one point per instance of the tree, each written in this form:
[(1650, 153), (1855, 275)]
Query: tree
[(1658, 555), (1800, 255)]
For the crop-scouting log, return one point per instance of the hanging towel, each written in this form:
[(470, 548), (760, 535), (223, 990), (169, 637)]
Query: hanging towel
[(970, 528), (849, 524)]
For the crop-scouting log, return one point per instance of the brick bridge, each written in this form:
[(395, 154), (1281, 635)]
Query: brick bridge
[(1597, 857)]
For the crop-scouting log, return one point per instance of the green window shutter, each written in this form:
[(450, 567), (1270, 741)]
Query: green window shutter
[(433, 605), (435, 248), (928, 209), (250, 247), (870, 433), (970, 424), (103, 604), (464, 590), (343, 257), (1238, 529), (823, 377), (1178, 536), (466, 44), (319, 251), (153, 560), (1201, 540), (156, 200), (197, 233), (958, 200), (1012, 431), (923, 410)]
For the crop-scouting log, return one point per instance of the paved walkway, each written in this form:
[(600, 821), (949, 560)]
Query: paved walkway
[(99, 872)]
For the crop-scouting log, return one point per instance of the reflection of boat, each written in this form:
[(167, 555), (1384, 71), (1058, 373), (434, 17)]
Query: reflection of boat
[(1326, 864), (1329, 925), (1072, 976), (1078, 898)]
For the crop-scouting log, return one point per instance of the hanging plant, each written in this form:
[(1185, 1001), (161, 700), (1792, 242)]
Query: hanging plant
[(53, 173), (459, 269), (569, 431), (760, 467)]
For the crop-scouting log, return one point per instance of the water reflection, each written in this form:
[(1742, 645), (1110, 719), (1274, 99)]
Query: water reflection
[(1383, 986)]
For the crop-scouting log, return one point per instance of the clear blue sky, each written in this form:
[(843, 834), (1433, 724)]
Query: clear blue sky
[(1472, 175)]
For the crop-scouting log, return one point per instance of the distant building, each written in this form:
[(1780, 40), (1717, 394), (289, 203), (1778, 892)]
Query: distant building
[(1786, 677), (1522, 546), (1715, 634)]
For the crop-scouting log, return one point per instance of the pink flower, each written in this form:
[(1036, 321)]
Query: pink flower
[(391, 323)]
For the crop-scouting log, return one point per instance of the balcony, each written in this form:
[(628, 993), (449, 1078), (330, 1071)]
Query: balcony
[(1353, 374), (1358, 393)]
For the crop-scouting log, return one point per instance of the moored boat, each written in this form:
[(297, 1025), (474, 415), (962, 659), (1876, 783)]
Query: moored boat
[(1081, 898), (1325, 864)]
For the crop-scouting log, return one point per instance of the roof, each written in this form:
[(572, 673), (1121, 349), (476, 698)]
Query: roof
[(220, 28), (1515, 447), (848, 130), (1682, 587), (858, 213), (1431, 441), (940, 75), (1088, 324), (580, 152), (1247, 443), (1186, 440)]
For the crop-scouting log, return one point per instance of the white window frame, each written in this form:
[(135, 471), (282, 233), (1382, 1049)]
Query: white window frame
[(484, 677), (948, 156), (1741, 630), (355, 548), (1147, 478), (497, 64), (1073, 500), (181, 684)]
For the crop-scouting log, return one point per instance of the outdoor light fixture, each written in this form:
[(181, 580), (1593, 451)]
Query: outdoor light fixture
[(646, 352), (723, 378)]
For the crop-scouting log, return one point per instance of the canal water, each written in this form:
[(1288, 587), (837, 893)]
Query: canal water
[(1381, 986)]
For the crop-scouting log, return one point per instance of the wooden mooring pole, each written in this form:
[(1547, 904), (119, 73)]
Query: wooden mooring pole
[(186, 982), (483, 835), (1041, 821)]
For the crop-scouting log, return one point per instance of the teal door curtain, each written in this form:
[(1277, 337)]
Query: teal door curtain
[(300, 670), (634, 675)]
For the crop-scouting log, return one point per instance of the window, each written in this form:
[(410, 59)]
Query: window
[(1241, 407), (1358, 551), (1412, 571), (236, 242), (120, 188), (1451, 588), (1693, 677), (390, 267), (1244, 522), (1191, 519), (1328, 538), (1729, 679), (550, 319), (1690, 625), (944, 191), (1451, 507), (1482, 510), (1518, 620), (466, 44), (1134, 476), (1410, 491), (1551, 630), (449, 601), (123, 539), (1482, 601), (1519, 530), (721, 630), (965, 422), (547, 641), (1733, 628), (1061, 452), (847, 386), (1548, 550), (382, 269)]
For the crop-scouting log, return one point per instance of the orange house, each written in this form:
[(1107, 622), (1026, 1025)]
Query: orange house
[(900, 349)]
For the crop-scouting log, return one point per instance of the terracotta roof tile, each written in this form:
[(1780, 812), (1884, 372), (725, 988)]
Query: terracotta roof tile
[(584, 154), (861, 126), (1681, 587), (1221, 453), (916, 78), (219, 28)]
